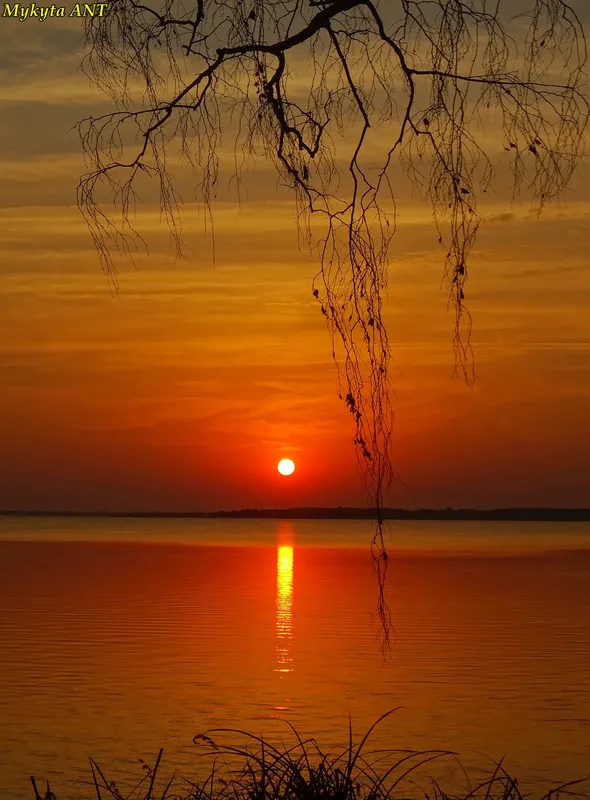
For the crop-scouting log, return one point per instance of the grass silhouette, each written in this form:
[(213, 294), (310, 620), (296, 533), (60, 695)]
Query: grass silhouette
[(260, 770)]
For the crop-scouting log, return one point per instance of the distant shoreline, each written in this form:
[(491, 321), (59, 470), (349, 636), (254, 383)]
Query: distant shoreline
[(468, 514)]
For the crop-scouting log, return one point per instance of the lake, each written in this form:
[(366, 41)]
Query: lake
[(119, 636)]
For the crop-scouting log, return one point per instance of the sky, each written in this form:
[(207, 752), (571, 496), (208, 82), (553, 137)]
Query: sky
[(183, 390)]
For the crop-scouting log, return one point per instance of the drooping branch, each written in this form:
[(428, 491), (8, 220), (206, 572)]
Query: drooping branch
[(421, 72)]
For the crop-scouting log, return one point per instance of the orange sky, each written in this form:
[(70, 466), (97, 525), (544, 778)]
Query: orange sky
[(185, 390)]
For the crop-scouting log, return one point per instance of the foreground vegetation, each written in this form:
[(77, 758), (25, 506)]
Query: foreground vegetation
[(259, 770)]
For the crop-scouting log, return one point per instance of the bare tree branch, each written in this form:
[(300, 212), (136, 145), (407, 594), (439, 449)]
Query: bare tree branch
[(425, 73)]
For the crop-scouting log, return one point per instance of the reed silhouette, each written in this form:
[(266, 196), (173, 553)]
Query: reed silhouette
[(301, 770)]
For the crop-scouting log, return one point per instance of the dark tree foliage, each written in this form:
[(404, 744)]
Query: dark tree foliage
[(333, 93)]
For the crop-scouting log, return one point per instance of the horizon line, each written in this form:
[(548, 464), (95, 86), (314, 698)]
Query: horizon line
[(326, 512)]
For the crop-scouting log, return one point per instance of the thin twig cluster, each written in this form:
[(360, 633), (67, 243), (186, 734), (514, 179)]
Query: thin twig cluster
[(415, 82)]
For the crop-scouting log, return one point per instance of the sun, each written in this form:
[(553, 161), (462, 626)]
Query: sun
[(286, 466)]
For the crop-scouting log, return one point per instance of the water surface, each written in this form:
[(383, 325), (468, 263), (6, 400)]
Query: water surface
[(118, 636)]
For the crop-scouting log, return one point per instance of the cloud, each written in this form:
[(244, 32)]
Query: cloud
[(531, 273), (507, 217)]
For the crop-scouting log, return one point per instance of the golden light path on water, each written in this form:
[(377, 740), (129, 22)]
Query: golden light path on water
[(284, 608)]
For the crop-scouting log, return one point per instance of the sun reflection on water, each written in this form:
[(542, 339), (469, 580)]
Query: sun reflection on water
[(284, 608)]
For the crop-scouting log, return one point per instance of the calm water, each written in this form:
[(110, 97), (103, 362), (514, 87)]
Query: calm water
[(121, 636)]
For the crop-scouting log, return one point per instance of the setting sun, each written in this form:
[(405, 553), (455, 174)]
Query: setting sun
[(286, 466)]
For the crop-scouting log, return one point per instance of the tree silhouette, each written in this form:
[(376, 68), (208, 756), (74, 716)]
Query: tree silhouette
[(424, 74)]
